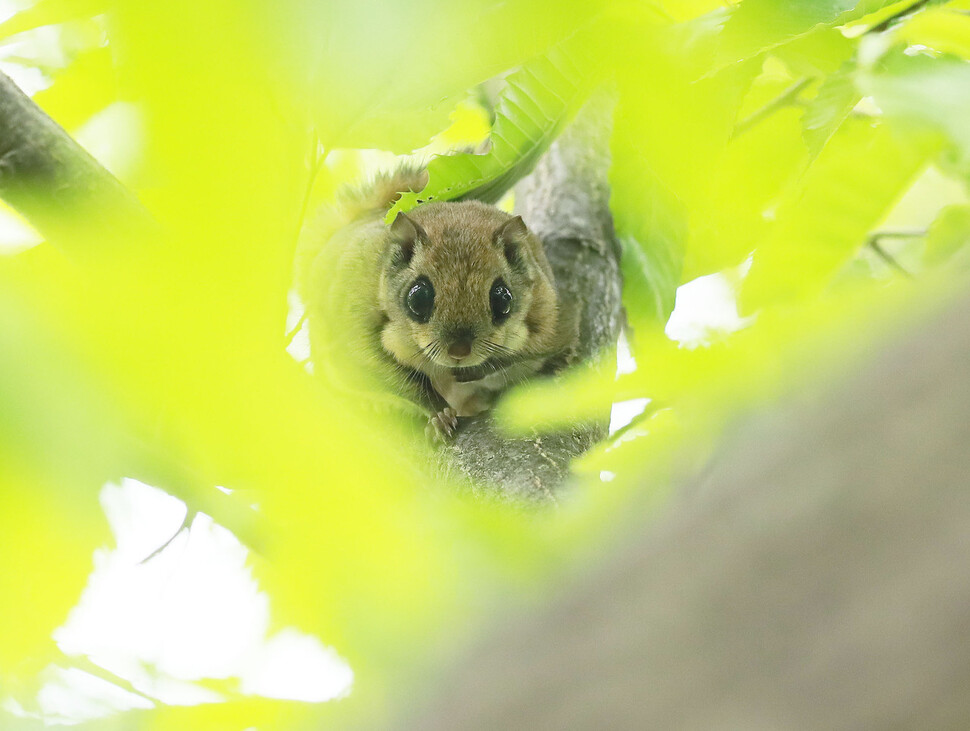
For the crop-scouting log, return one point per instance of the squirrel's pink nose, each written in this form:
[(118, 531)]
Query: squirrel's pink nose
[(460, 349)]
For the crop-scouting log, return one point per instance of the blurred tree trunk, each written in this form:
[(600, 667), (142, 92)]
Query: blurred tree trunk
[(817, 577)]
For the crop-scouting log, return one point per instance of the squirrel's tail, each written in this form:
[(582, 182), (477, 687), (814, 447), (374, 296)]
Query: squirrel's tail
[(382, 192), (351, 204)]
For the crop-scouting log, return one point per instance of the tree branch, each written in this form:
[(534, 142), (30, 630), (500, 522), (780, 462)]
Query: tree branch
[(565, 202), (55, 184)]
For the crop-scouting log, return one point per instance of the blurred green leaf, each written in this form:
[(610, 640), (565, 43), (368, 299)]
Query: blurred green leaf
[(948, 235), (927, 97), (671, 133), (818, 53), (836, 98), (55, 413), (535, 103), (81, 90), (60, 439), (681, 10), (822, 222), (942, 29), (651, 225), (371, 61), (755, 171), (758, 25)]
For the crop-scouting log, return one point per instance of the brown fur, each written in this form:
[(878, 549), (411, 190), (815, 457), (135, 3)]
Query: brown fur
[(463, 249), (366, 269)]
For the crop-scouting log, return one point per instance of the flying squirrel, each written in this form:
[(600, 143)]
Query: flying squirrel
[(447, 306)]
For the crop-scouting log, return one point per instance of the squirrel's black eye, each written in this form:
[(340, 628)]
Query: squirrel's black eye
[(420, 300), (501, 300)]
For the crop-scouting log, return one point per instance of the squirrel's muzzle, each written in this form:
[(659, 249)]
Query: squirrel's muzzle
[(460, 342), (460, 348)]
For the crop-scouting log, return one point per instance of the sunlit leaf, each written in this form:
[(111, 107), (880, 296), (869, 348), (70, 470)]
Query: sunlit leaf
[(948, 235), (47, 540), (942, 29), (408, 62), (758, 25), (652, 241), (681, 10), (926, 96), (82, 89), (835, 99), (818, 53), (663, 163), (753, 174), (58, 441), (536, 102), (859, 175)]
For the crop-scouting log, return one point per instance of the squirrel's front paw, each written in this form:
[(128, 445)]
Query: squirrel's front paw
[(441, 427)]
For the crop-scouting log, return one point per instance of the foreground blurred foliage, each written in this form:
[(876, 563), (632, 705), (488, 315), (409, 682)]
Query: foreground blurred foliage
[(772, 138)]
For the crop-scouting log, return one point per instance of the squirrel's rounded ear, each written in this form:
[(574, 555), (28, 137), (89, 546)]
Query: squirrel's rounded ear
[(510, 236), (405, 234), (512, 231)]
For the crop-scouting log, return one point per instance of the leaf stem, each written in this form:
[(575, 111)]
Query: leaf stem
[(788, 97), (185, 525), (885, 255), (87, 665), (896, 17)]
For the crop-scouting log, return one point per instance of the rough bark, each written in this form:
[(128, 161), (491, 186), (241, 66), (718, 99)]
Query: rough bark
[(565, 201), (55, 184), (818, 577)]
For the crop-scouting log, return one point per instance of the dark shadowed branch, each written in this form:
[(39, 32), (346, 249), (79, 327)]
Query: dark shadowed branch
[(55, 184)]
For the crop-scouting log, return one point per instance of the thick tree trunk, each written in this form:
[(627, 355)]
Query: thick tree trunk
[(817, 577), (565, 201)]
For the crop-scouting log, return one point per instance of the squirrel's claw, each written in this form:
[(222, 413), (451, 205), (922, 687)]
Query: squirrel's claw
[(441, 427)]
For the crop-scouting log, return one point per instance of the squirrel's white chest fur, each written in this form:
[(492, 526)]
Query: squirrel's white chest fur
[(473, 397)]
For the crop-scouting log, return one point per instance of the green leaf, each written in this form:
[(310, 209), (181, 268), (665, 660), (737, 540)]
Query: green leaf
[(941, 29), (948, 235), (856, 179), (755, 171), (386, 75), (81, 90), (815, 54), (759, 25), (651, 224), (926, 97), (652, 254), (60, 438), (836, 98), (537, 101), (670, 136)]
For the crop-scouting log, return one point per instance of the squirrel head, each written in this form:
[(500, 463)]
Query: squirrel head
[(461, 285)]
